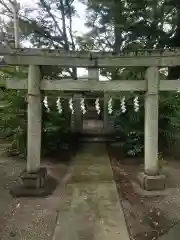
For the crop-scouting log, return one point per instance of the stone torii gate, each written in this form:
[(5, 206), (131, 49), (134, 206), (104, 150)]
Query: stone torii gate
[(34, 175)]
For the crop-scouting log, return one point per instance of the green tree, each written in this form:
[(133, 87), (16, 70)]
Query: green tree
[(131, 25), (48, 25)]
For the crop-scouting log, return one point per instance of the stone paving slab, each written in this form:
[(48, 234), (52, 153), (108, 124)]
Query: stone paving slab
[(173, 234), (91, 209)]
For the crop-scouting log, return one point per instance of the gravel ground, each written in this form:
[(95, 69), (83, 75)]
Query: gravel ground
[(27, 218), (147, 217), (150, 216)]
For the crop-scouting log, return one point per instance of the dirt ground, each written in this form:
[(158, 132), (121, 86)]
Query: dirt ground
[(148, 216), (28, 218)]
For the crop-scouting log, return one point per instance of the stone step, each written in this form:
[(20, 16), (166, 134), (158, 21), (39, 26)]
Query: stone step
[(3, 147), (93, 139)]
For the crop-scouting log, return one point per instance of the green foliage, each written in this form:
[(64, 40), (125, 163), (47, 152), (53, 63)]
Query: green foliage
[(56, 132), (14, 119), (13, 122), (169, 118), (129, 127)]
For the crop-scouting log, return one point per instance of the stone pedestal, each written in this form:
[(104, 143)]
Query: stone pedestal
[(34, 180), (152, 183), (34, 184)]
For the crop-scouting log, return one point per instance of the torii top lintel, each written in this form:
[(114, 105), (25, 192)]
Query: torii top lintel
[(142, 57)]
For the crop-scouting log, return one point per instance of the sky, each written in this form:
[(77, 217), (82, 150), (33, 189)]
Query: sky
[(78, 22)]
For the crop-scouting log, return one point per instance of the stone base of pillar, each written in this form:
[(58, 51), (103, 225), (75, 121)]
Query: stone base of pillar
[(34, 184), (34, 180), (152, 183)]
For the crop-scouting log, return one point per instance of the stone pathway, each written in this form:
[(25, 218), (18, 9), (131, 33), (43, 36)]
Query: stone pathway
[(91, 209), (173, 234), (93, 126)]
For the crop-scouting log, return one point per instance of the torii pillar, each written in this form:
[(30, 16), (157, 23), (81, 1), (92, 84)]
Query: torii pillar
[(33, 178), (151, 178)]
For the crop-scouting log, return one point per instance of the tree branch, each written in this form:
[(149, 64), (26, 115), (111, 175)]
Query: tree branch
[(64, 25), (70, 28), (6, 6), (48, 9)]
